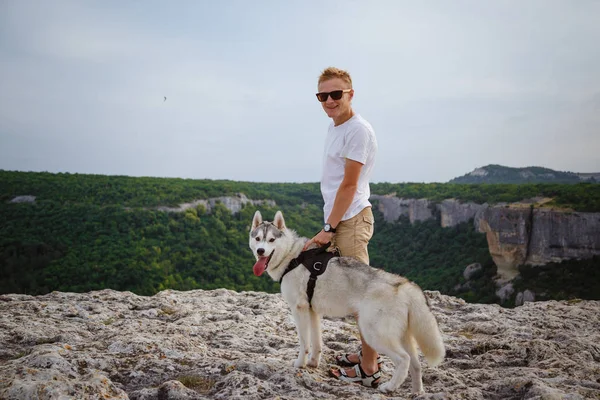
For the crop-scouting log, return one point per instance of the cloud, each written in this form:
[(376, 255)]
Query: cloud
[(448, 87)]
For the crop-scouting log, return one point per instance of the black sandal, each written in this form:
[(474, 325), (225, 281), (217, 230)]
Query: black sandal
[(344, 361), (361, 377)]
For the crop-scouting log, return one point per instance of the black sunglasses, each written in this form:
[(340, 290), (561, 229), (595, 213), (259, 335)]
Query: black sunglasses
[(335, 95)]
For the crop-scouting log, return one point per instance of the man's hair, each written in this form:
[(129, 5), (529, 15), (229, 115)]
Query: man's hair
[(333, 72)]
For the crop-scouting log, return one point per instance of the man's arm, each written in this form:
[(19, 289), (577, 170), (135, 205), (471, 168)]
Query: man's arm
[(343, 199)]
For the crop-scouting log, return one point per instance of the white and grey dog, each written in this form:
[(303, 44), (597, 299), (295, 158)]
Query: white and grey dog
[(392, 312)]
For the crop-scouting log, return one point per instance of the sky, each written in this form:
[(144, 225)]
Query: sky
[(447, 86)]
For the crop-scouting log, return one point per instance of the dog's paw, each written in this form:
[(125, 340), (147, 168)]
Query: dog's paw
[(386, 388), (299, 363), (313, 362)]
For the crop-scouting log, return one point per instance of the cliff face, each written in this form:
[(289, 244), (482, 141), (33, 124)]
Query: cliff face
[(507, 232), (560, 235), (453, 212), (537, 236), (226, 345), (393, 208), (517, 234)]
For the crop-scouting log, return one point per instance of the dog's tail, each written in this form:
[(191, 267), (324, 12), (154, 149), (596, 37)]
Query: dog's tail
[(424, 327)]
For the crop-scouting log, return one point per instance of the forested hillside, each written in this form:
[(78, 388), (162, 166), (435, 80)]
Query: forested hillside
[(86, 232)]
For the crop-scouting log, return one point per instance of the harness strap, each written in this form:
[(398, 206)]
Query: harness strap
[(293, 264), (315, 261), (310, 288)]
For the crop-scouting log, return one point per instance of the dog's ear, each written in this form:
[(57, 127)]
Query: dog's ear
[(279, 222), (257, 220)]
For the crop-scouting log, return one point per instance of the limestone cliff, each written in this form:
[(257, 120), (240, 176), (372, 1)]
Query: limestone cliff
[(232, 203), (394, 207), (453, 212), (226, 345), (517, 233), (536, 236)]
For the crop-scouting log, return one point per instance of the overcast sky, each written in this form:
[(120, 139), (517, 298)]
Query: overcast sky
[(448, 86)]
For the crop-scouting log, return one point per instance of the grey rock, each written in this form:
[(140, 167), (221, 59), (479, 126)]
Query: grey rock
[(453, 212), (23, 199), (393, 207), (222, 344), (505, 291), (471, 269), (519, 299), (528, 295), (232, 203), (390, 206), (523, 297), (563, 235)]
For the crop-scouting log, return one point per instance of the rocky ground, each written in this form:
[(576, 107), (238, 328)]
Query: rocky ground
[(226, 345)]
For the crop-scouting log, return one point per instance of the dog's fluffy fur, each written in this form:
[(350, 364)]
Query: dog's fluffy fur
[(393, 313)]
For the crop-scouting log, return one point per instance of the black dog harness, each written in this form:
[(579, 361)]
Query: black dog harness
[(315, 261)]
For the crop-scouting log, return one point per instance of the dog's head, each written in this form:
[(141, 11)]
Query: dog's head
[(265, 238)]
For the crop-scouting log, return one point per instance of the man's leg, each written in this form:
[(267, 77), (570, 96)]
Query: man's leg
[(352, 238)]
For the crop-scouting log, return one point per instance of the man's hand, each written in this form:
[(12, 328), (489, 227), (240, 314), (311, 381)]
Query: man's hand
[(320, 239)]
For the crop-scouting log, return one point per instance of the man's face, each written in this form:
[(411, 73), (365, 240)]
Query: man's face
[(336, 108)]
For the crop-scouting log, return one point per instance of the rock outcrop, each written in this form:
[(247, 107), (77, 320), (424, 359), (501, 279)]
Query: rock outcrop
[(232, 203), (453, 212), (226, 345), (393, 207), (24, 199), (517, 233), (523, 297), (471, 270), (537, 236)]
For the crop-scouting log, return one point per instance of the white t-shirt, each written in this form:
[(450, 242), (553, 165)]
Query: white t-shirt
[(354, 139)]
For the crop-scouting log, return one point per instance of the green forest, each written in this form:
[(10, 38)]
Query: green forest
[(89, 232)]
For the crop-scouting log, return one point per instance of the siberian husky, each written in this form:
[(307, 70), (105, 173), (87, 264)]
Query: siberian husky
[(392, 312)]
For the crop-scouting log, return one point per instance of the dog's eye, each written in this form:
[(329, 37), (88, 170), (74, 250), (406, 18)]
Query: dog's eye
[(271, 240), (257, 239)]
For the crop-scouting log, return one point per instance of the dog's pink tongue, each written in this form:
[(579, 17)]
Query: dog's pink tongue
[(260, 266)]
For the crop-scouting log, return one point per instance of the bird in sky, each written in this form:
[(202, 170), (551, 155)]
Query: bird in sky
[(165, 99)]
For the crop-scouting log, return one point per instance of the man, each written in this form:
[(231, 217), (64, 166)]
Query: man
[(348, 160)]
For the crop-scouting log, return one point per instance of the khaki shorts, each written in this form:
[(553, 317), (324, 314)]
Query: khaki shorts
[(352, 235)]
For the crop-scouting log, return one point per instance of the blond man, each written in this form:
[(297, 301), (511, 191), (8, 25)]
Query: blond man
[(348, 160)]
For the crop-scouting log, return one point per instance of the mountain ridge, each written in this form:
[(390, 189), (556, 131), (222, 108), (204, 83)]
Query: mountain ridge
[(495, 173)]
